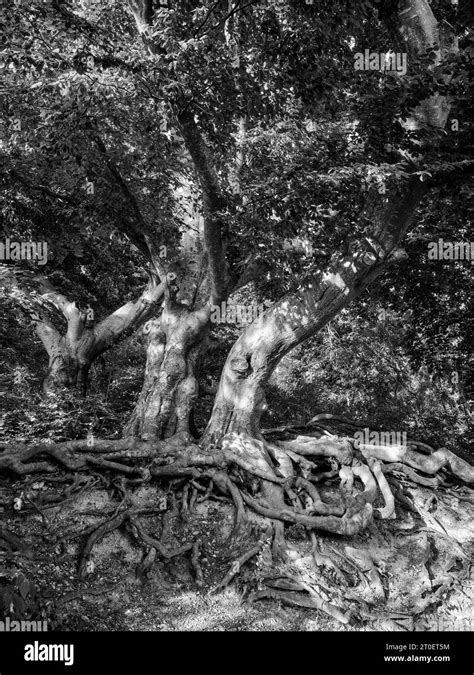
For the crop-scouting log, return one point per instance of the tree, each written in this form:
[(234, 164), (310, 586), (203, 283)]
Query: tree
[(72, 353), (266, 136)]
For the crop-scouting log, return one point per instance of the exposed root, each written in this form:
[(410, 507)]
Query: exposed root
[(288, 597), (169, 516), (350, 563), (346, 525), (388, 511), (154, 543), (105, 454), (318, 507), (193, 500), (239, 469), (400, 496), (366, 564), (226, 485), (422, 447), (77, 595), (17, 459), (12, 540), (195, 563), (237, 564), (147, 563), (275, 499), (97, 534), (172, 471), (397, 467), (251, 455), (340, 449), (347, 480), (184, 503), (282, 460), (295, 599), (429, 464), (325, 476), (326, 606), (323, 560), (301, 462), (370, 488)]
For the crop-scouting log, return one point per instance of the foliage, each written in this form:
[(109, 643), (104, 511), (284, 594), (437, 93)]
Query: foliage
[(18, 597), (86, 110)]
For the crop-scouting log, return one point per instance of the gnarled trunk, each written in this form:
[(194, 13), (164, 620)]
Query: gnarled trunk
[(240, 398), (297, 316), (170, 387), (69, 360), (71, 355), (66, 369)]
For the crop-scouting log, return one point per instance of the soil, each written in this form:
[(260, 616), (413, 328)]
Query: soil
[(422, 561)]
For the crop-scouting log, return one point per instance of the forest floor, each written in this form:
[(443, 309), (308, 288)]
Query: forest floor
[(423, 571)]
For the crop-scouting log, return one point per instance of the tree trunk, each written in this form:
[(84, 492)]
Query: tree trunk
[(71, 355), (66, 370), (296, 317), (69, 361), (240, 398), (170, 387)]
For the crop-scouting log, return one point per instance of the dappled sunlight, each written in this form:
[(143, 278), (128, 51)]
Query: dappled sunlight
[(235, 291)]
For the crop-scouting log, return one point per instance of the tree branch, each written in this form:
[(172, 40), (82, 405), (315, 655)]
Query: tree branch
[(204, 167), (212, 203), (139, 234), (41, 188), (129, 316)]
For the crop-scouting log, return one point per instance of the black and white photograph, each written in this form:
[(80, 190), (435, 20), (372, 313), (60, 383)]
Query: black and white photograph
[(236, 337)]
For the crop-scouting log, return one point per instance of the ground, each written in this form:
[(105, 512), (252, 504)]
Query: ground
[(418, 576)]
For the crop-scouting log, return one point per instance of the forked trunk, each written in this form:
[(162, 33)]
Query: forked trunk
[(71, 355), (69, 362)]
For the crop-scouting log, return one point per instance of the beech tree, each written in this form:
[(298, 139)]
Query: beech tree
[(241, 137), (71, 353)]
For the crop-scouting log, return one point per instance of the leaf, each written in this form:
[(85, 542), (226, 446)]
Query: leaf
[(19, 605), (23, 586)]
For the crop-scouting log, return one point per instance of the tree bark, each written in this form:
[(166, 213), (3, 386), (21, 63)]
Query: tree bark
[(69, 363), (240, 397), (297, 316), (176, 340), (71, 355), (170, 386)]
